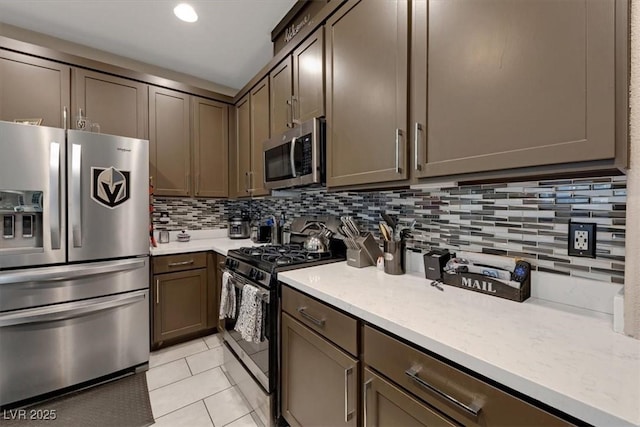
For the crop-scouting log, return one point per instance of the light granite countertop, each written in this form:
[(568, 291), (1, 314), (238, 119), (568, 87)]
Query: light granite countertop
[(566, 357), (208, 240)]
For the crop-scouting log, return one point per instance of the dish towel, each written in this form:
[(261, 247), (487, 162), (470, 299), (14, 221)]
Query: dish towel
[(228, 297), (249, 322)]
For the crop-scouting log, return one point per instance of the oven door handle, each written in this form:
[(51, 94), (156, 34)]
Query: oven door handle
[(292, 157), (70, 310)]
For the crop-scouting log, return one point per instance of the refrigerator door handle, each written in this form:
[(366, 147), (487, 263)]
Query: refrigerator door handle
[(70, 310), (75, 201), (70, 272), (54, 196)]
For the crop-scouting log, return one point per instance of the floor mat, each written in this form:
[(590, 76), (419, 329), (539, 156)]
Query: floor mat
[(120, 403)]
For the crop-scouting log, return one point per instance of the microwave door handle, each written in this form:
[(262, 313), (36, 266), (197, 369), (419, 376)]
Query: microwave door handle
[(292, 157)]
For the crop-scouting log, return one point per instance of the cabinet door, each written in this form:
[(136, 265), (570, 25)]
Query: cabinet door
[(180, 304), (319, 381), (169, 152), (32, 88), (242, 149), (308, 78), (118, 105), (280, 80), (385, 405), (513, 84), (366, 60), (210, 148), (259, 134)]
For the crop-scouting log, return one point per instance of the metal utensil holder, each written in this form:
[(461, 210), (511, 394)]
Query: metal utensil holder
[(394, 256)]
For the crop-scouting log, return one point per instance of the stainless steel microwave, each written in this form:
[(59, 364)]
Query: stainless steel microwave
[(296, 157)]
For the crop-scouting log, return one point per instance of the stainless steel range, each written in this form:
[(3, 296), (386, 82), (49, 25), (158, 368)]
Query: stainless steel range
[(254, 366)]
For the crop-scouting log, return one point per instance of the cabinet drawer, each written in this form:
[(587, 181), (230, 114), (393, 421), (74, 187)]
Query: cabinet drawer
[(328, 322), (179, 262), (450, 390)]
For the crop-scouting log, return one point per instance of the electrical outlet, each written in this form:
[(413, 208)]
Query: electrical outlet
[(582, 239)]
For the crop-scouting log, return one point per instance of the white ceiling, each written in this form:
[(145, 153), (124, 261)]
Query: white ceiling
[(228, 45)]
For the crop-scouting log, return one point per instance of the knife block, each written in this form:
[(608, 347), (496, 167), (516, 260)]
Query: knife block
[(369, 245), (358, 258)]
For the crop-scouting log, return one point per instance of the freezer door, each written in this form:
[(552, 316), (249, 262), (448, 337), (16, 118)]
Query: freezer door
[(32, 195), (33, 287), (49, 348), (108, 180)]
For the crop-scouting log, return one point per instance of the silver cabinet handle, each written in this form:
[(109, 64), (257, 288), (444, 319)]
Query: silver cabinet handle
[(176, 264), (416, 147), (347, 414), (157, 291), (292, 158), (64, 117), (317, 322), (76, 207), (398, 135), (246, 182), (294, 120), (365, 406), (69, 310), (54, 199), (290, 104), (473, 409), (252, 187)]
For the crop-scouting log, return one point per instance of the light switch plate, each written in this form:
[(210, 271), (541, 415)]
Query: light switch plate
[(582, 239)]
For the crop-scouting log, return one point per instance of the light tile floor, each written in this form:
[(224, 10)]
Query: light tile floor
[(187, 387)]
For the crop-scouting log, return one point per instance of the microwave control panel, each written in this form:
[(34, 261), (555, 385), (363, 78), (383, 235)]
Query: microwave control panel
[(305, 166)]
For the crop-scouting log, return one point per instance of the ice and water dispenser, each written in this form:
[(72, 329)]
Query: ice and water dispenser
[(21, 213)]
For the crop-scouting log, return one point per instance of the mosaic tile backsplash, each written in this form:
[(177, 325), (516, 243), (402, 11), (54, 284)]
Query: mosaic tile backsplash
[(523, 219)]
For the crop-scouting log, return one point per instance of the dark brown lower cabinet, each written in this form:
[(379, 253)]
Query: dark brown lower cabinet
[(385, 405), (185, 297), (180, 304), (319, 381)]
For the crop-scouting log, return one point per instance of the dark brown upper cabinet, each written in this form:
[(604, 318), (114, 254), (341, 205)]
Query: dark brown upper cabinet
[(367, 68), (308, 78), (169, 133), (260, 120), (297, 85), (210, 148), (118, 105), (501, 84), (252, 129), (241, 150), (33, 88), (280, 80)]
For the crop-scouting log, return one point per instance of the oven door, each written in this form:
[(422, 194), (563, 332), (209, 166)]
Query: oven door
[(254, 356), (293, 158)]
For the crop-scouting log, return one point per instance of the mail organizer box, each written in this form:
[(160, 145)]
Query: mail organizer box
[(516, 286)]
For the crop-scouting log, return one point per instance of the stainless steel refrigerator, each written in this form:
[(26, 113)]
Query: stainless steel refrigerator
[(74, 258)]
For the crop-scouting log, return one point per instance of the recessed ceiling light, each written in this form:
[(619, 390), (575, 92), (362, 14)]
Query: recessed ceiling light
[(185, 12)]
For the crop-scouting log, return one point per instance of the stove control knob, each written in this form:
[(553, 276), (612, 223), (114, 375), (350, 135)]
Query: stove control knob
[(252, 273), (259, 275)]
